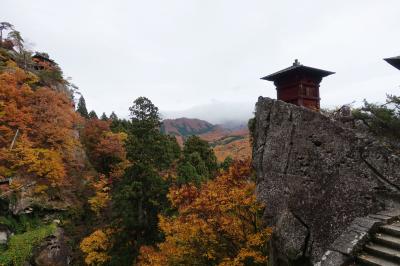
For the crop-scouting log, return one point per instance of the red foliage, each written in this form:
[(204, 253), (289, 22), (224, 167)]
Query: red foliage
[(104, 148), (46, 123)]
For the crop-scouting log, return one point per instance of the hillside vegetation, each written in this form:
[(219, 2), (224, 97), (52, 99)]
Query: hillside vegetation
[(113, 188), (137, 191)]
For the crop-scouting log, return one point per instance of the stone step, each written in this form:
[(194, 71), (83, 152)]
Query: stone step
[(384, 218), (396, 223), (383, 252), (367, 259), (387, 240), (392, 229)]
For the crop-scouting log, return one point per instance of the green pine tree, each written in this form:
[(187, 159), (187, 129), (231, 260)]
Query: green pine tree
[(104, 117), (187, 173), (141, 194), (81, 109), (195, 144), (113, 116), (382, 119), (93, 115)]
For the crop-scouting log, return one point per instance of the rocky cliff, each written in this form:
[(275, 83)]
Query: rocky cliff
[(316, 175)]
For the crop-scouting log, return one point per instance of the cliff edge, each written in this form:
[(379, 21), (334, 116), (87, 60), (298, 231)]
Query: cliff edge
[(316, 175)]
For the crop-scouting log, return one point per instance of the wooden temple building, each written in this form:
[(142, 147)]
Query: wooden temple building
[(299, 85), (394, 61), (42, 62)]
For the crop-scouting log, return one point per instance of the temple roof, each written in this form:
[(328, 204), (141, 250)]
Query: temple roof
[(43, 58), (394, 61), (298, 68)]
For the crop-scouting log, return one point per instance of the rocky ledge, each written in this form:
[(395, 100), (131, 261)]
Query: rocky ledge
[(316, 175)]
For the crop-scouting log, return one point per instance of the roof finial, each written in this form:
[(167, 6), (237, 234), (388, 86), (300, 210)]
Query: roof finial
[(296, 62)]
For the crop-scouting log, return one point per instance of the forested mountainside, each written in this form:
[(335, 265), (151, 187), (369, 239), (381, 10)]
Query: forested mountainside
[(231, 141), (186, 127), (78, 189)]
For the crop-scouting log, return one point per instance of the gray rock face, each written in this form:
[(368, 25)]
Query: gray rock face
[(26, 199), (316, 175), (54, 251), (292, 235)]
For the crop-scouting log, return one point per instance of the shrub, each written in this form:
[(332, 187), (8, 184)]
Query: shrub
[(20, 246)]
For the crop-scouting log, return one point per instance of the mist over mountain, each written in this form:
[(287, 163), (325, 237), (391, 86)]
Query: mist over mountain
[(230, 114)]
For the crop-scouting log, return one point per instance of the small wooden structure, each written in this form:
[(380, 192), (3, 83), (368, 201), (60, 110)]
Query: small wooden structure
[(42, 62), (394, 61), (299, 85)]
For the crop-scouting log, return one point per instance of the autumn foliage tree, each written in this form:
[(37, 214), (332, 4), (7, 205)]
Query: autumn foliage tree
[(131, 172), (104, 148), (106, 152), (53, 120), (45, 121), (217, 224), (96, 246), (44, 163), (101, 198), (137, 187)]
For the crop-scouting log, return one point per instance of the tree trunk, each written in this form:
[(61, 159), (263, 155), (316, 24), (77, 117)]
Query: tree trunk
[(14, 139)]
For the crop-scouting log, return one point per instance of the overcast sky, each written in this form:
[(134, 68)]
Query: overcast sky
[(200, 57)]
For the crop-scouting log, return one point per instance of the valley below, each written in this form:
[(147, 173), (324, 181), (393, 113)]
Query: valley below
[(227, 140)]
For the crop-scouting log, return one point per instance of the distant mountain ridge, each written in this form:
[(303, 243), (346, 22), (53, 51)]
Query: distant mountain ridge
[(186, 126), (231, 139)]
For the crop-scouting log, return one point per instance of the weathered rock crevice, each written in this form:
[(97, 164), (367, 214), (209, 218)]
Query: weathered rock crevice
[(290, 146), (379, 175), (315, 175), (307, 238)]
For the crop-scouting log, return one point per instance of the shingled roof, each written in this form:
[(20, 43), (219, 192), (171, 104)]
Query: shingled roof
[(394, 61), (43, 58), (297, 68)]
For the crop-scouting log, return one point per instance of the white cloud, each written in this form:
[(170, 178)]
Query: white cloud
[(216, 112), (183, 54)]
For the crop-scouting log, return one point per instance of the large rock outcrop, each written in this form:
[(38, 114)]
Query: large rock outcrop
[(316, 175), (26, 199), (53, 251)]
